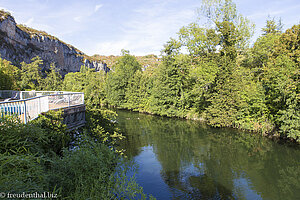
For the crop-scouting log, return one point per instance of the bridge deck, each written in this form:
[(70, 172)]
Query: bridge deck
[(43, 101)]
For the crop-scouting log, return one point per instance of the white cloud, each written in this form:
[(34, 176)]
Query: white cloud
[(78, 18), (88, 13), (151, 28), (147, 30), (97, 7), (109, 48)]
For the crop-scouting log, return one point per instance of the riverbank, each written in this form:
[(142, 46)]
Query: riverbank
[(43, 156), (273, 135)]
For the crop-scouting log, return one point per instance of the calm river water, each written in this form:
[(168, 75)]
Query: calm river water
[(182, 159)]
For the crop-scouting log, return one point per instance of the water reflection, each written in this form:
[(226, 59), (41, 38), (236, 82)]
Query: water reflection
[(181, 159)]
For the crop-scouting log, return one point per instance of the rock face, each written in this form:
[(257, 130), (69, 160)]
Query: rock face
[(18, 45)]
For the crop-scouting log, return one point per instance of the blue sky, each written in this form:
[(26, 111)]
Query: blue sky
[(142, 26)]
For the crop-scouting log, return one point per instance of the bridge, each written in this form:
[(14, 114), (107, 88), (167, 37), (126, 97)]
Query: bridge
[(27, 105)]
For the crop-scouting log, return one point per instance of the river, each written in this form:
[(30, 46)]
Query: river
[(185, 159)]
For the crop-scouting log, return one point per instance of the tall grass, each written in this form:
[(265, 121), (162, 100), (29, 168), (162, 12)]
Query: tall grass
[(36, 157)]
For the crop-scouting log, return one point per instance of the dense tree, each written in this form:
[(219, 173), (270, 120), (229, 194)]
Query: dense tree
[(272, 27), (89, 82), (53, 80), (9, 75), (31, 76), (119, 77), (281, 80), (169, 93), (224, 11)]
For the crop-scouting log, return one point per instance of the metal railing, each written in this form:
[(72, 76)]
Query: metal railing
[(29, 108)]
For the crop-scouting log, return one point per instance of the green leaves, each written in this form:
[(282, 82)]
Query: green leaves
[(118, 80), (272, 28), (9, 75), (31, 76), (100, 127), (220, 11), (53, 80), (199, 41)]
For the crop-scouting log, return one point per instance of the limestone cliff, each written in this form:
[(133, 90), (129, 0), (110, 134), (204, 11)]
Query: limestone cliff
[(19, 43)]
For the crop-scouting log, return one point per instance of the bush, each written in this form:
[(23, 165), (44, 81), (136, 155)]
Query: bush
[(84, 173), (36, 157), (53, 127), (18, 138)]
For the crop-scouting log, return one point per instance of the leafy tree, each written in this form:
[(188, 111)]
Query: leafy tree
[(272, 28), (259, 55), (89, 82), (119, 77), (53, 80), (133, 94), (139, 90), (199, 41), (9, 74), (223, 98), (31, 76), (170, 86), (219, 11), (281, 80)]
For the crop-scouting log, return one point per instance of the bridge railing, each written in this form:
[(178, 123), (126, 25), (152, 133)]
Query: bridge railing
[(29, 109), (4, 94)]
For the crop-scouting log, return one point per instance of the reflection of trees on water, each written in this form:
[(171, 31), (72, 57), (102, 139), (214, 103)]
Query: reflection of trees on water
[(218, 158), (196, 187)]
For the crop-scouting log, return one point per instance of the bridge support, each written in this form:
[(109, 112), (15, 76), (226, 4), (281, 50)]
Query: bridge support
[(74, 116)]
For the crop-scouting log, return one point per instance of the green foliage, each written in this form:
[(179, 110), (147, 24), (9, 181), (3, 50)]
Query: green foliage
[(289, 119), (89, 82), (17, 138), (118, 79), (94, 172), (56, 131), (261, 52), (89, 170), (220, 80), (139, 91), (20, 173), (21, 150), (169, 93), (199, 41), (31, 75), (53, 80), (224, 98), (272, 28), (202, 74), (133, 94), (281, 79), (220, 11), (34, 157), (100, 127), (9, 75)]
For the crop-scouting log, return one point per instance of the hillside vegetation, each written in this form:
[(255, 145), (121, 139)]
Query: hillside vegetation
[(146, 61)]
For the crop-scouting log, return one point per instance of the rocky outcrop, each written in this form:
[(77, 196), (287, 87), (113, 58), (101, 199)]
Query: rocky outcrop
[(19, 43)]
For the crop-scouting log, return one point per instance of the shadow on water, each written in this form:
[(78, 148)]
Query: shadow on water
[(198, 187), (182, 159)]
